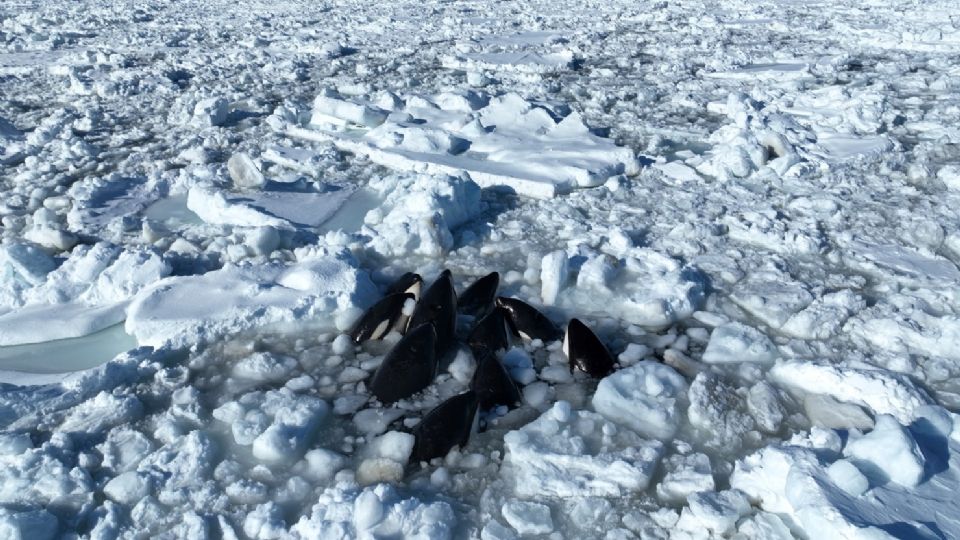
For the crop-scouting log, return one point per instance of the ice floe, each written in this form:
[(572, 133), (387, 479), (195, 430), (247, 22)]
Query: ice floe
[(321, 285), (566, 453), (861, 495), (503, 141)]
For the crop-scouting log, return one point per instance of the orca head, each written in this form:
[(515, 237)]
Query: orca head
[(478, 299), (492, 332), (438, 306), (527, 321), (408, 368), (585, 351), (447, 425), (380, 318), (407, 283), (492, 383)]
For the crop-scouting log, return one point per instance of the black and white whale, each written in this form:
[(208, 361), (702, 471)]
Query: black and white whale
[(527, 321), (409, 282), (478, 299), (382, 317), (438, 306), (409, 367), (491, 333), (585, 351), (447, 425), (492, 383)]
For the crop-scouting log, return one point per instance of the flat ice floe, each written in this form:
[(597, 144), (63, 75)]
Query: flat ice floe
[(87, 293), (499, 141), (192, 309)]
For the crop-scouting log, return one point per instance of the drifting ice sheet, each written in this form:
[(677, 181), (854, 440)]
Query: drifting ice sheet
[(192, 309), (510, 142)]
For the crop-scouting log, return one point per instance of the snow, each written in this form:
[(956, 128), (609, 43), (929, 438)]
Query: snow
[(565, 453), (646, 397), (860, 497), (528, 517), (737, 342), (191, 309), (512, 143), (882, 392), (753, 205)]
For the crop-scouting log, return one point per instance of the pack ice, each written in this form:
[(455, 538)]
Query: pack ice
[(752, 205), (499, 141)]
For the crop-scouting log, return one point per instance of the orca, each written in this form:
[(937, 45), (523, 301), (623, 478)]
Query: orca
[(408, 368), (527, 321), (381, 318), (479, 297), (491, 333), (438, 306), (492, 383), (409, 282), (445, 426), (585, 351)]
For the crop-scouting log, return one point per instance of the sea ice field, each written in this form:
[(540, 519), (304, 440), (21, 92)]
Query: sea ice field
[(751, 208)]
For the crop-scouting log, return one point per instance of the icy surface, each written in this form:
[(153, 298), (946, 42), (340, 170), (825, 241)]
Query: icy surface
[(646, 398), (568, 453), (191, 309), (499, 141), (752, 204), (862, 496)]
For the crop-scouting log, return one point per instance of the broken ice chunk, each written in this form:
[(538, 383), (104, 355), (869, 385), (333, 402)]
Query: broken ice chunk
[(211, 112), (718, 410), (553, 275), (101, 413), (328, 108), (883, 392), (765, 407), (685, 476), (244, 172), (644, 397), (277, 423), (24, 263), (567, 453), (528, 517), (128, 487), (848, 478), (736, 342), (265, 367), (392, 445), (824, 411), (27, 524), (717, 512), (888, 452)]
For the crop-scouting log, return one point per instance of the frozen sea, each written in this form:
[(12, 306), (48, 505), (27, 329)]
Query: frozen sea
[(755, 206)]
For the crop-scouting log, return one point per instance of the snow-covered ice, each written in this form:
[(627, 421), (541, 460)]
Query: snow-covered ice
[(753, 206), (646, 397), (569, 453)]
